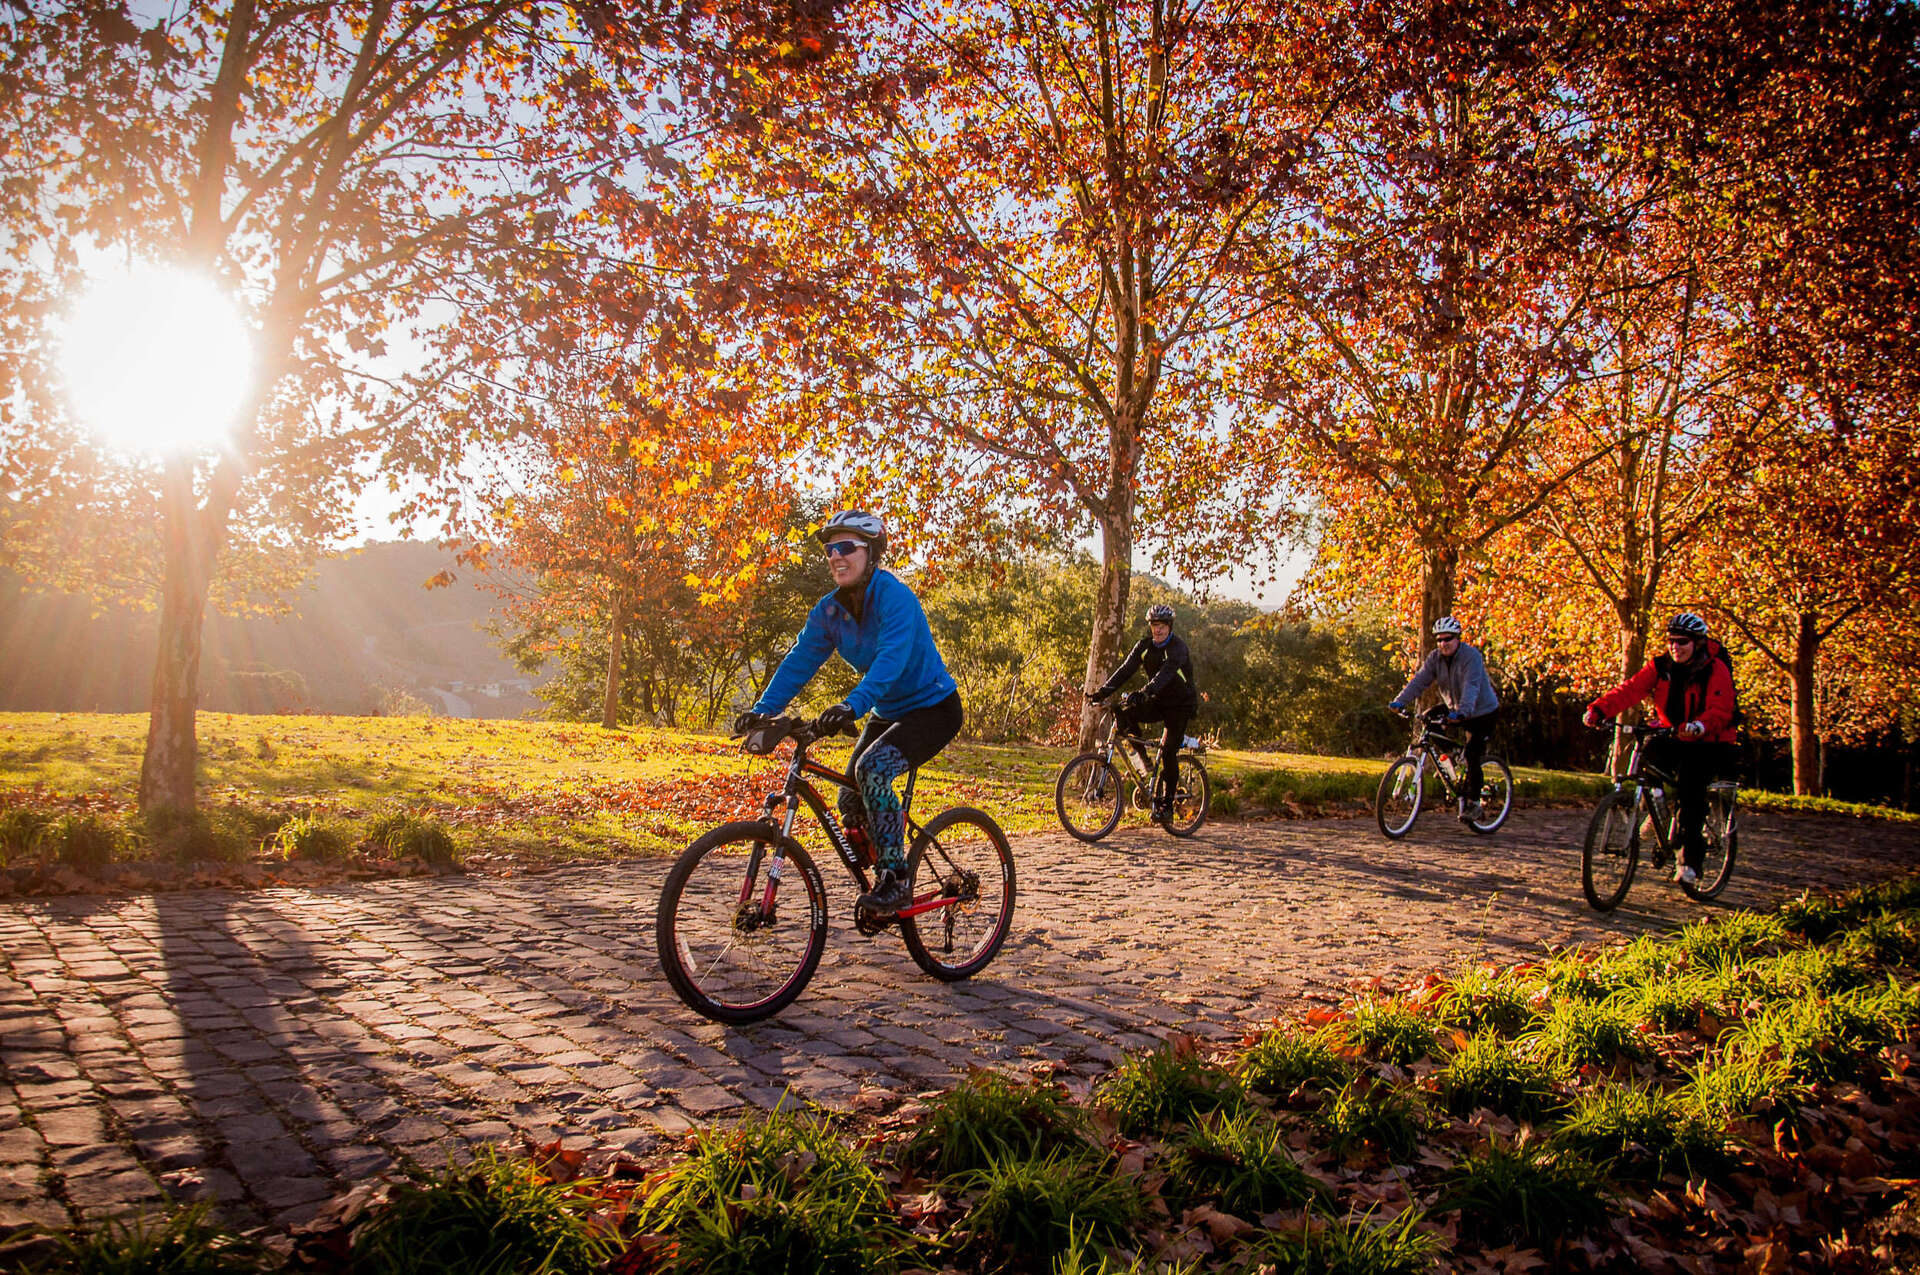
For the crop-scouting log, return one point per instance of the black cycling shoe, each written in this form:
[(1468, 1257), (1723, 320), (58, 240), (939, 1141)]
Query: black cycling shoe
[(890, 892)]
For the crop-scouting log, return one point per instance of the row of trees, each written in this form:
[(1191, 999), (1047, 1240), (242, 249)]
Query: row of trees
[(1553, 315)]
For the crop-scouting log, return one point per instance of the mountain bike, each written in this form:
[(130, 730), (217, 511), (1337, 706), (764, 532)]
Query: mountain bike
[(1637, 810), (1092, 790), (736, 943), (1397, 802)]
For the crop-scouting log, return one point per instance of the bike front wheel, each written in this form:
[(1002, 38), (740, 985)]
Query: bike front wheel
[(1612, 850), (1088, 796), (1397, 803), (1188, 808), (1496, 796), (961, 856), (732, 951), (1722, 832)]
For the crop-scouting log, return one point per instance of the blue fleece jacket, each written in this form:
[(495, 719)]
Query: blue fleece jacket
[(890, 645)]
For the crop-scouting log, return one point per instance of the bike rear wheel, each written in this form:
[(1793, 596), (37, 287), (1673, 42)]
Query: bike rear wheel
[(962, 855), (1496, 796), (1612, 850), (1397, 802), (723, 952), (1722, 831), (1188, 809), (1088, 796)]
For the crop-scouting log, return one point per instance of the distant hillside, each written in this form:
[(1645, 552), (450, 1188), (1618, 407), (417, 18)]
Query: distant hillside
[(364, 630)]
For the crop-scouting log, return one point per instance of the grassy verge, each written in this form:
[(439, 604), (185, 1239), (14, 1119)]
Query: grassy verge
[(1741, 1092), (526, 792)]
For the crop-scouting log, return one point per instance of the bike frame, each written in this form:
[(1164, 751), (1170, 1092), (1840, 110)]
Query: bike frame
[(1110, 740), (797, 792), (1639, 773), (1426, 747)]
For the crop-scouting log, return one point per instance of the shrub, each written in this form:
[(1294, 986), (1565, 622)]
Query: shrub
[(1354, 1246), (1388, 1119), (308, 838), (1039, 1208), (189, 836), (1483, 1000), (1241, 1160), (20, 831), (495, 1214), (1641, 1130), (774, 1194), (1487, 1071), (422, 837), (1391, 1031), (185, 1242), (1286, 1060), (1580, 1034), (1527, 1190), (1169, 1085), (988, 1116), (82, 842)]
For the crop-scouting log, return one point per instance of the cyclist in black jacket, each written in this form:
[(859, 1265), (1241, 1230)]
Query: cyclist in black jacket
[(1169, 695)]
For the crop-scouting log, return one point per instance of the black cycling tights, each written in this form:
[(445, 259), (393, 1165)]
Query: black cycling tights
[(911, 740)]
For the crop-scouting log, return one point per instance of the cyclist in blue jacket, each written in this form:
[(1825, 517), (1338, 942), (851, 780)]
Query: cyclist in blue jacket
[(1459, 672), (876, 624)]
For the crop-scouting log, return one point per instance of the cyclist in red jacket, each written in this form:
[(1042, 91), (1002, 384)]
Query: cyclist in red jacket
[(1692, 691)]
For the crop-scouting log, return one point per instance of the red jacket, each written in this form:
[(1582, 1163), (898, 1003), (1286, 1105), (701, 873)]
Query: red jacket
[(1707, 695)]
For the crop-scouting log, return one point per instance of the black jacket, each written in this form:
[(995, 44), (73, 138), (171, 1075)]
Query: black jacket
[(1169, 673)]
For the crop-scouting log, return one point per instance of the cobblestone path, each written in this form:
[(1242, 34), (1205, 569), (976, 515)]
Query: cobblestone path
[(270, 1049)]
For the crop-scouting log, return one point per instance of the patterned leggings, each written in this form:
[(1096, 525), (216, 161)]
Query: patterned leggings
[(874, 774), (911, 740)]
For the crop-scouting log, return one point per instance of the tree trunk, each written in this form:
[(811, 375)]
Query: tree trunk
[(1806, 738), (616, 656), (1633, 653), (1110, 607), (190, 539), (1438, 567)]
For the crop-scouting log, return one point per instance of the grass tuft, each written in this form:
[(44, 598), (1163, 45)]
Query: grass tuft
[(1040, 1208), (1388, 1119), (1169, 1085), (20, 831), (495, 1214), (1489, 1071), (308, 838), (1241, 1160), (1482, 1000), (401, 836), (1578, 1034), (988, 1116), (1285, 1061), (187, 1241), (776, 1194), (1353, 1246), (1723, 942), (1391, 1030), (85, 843), (1640, 1130), (1532, 1191)]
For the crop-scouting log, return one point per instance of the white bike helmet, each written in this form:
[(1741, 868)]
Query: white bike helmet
[(1447, 626), (859, 524)]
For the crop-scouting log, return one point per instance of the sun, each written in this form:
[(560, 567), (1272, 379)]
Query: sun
[(156, 360)]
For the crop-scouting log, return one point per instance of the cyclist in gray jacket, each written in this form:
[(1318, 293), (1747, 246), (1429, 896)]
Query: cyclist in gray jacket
[(1459, 672)]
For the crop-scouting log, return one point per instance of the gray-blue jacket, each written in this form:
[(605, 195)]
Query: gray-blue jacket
[(1462, 679)]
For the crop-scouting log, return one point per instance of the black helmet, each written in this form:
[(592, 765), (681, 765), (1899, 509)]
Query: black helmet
[(859, 524), (1159, 613), (1687, 625)]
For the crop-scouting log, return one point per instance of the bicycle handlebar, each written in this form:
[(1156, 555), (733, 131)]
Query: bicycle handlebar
[(1644, 732), (804, 732)]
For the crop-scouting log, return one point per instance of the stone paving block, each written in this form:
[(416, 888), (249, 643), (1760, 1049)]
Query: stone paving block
[(71, 1126), (106, 1194), (21, 1214)]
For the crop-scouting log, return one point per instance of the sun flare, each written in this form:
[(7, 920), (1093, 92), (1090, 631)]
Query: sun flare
[(156, 360)]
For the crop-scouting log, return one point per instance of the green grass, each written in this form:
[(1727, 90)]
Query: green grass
[(776, 1195), (1486, 1000), (1532, 1191), (1788, 803), (1372, 1116), (987, 1117), (1349, 1246), (1490, 1071), (1241, 1160), (1391, 1030), (187, 1241), (1043, 1208), (1287, 1060), (1580, 1034), (1171, 1085), (546, 790), (1638, 1130), (496, 1216)]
